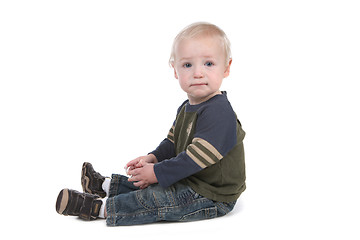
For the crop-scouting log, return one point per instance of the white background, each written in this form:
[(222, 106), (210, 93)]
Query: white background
[(89, 81)]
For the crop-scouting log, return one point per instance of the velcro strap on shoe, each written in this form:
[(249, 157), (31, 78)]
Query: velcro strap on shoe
[(74, 200), (86, 208), (96, 209)]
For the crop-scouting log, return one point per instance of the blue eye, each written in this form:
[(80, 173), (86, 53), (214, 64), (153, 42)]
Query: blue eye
[(187, 65), (209, 64)]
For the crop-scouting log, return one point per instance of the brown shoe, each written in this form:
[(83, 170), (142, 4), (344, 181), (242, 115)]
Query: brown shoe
[(74, 203), (92, 181)]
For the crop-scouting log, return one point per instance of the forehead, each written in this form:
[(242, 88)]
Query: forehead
[(199, 46)]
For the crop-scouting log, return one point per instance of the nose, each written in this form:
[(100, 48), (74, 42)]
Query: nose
[(198, 73)]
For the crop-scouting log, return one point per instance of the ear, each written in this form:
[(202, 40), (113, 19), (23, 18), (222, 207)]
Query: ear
[(175, 74), (227, 70)]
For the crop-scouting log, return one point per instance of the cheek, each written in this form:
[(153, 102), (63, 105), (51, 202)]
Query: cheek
[(183, 76), (217, 79), (182, 82)]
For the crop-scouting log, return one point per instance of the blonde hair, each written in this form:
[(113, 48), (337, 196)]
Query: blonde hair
[(202, 29)]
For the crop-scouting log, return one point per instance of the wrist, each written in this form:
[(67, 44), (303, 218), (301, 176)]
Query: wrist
[(152, 158)]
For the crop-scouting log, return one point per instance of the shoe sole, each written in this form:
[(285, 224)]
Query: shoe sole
[(62, 201), (85, 180)]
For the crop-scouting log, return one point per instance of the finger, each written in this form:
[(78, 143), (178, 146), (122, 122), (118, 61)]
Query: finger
[(132, 179), (144, 186), (129, 169), (132, 162), (130, 165), (135, 178), (138, 184), (134, 171), (139, 164)]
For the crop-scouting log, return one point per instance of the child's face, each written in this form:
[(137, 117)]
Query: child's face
[(200, 66)]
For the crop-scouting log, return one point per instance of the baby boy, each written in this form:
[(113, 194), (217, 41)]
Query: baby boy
[(198, 171)]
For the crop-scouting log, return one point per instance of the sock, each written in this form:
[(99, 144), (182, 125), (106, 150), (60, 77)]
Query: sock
[(102, 208), (106, 186)]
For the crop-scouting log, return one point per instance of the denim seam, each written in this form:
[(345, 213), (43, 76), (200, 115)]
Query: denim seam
[(110, 210), (113, 186), (113, 214), (155, 200), (171, 195), (218, 205), (142, 203), (206, 211)]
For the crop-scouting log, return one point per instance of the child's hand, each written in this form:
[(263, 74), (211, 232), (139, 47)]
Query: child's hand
[(136, 162), (144, 175)]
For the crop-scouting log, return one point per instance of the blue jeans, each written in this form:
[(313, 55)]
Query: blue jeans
[(129, 205)]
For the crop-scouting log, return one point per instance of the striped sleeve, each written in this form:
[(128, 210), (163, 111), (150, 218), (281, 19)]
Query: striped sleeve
[(170, 171), (170, 135), (203, 153), (198, 155), (215, 135)]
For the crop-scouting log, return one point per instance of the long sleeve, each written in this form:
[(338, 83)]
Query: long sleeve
[(214, 135), (173, 170), (165, 150)]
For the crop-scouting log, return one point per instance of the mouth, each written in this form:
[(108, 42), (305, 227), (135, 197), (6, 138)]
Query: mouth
[(198, 84)]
